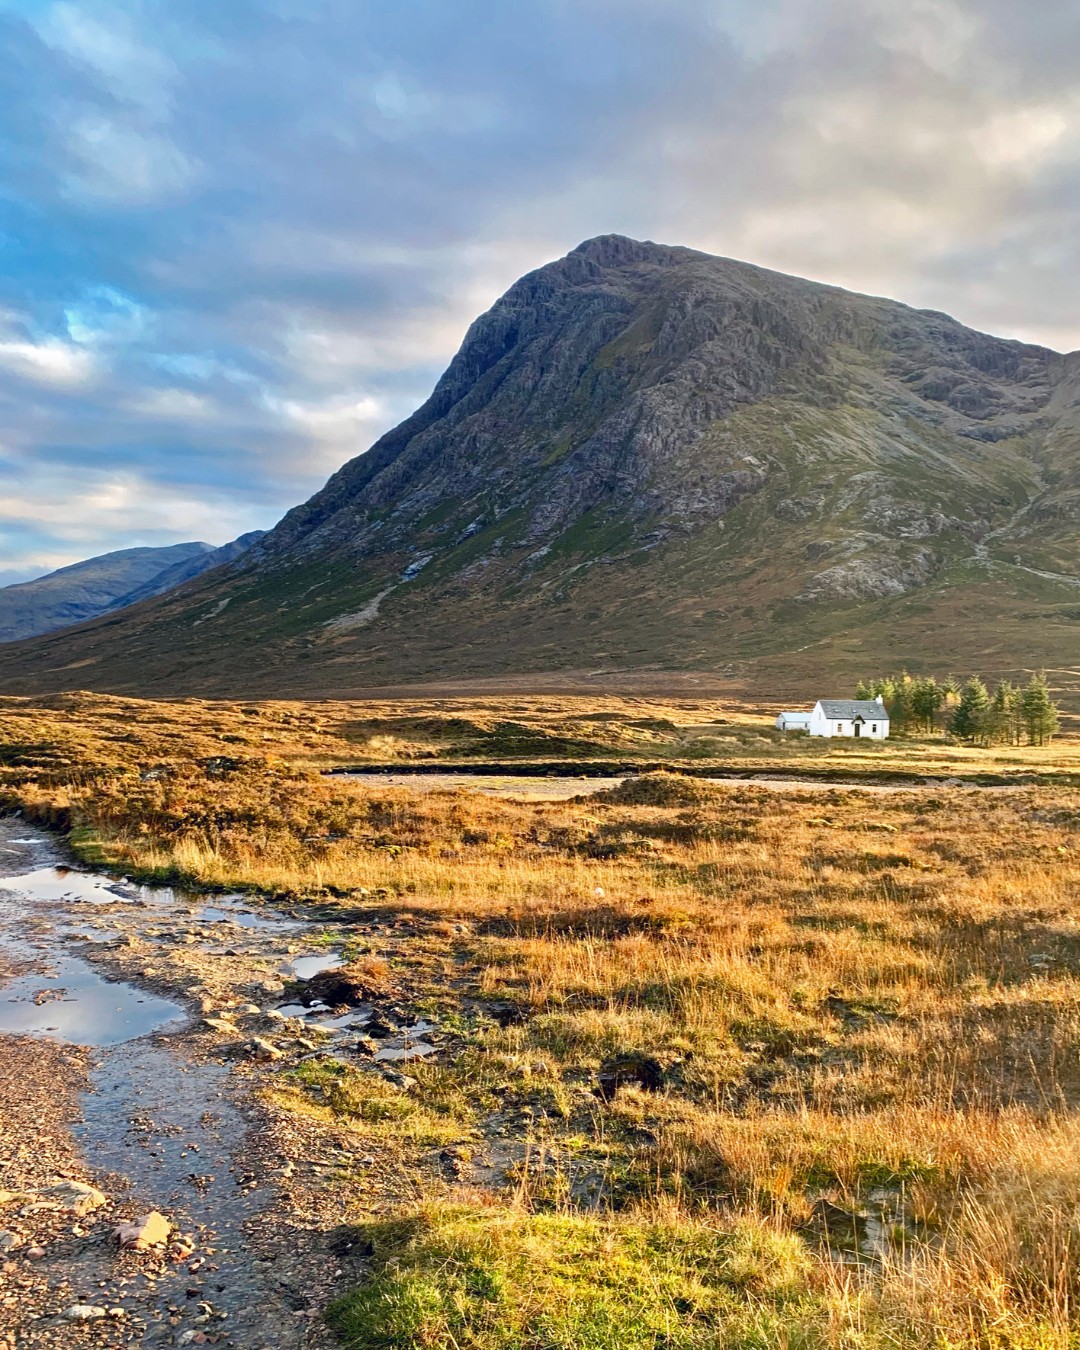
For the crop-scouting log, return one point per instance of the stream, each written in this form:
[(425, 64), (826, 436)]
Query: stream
[(161, 1128)]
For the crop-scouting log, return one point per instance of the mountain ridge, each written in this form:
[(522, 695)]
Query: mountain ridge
[(110, 581), (647, 455)]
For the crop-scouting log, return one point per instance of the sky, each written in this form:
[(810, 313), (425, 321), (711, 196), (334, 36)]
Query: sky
[(239, 239)]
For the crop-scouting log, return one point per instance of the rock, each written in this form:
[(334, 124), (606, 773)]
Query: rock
[(347, 985), (401, 1080), (9, 1197), (35, 1253), (151, 1230), (84, 1312), (507, 1014), (75, 1196), (247, 1010), (7, 1241), (379, 1026), (264, 1050), (366, 1047), (222, 1025), (632, 1067)]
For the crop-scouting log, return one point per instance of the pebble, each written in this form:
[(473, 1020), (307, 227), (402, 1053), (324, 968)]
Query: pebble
[(85, 1312), (75, 1196)]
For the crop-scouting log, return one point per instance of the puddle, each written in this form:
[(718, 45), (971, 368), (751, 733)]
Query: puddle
[(172, 1131), (319, 1015), (407, 1045), (76, 1004), (398, 1054), (307, 967), (66, 884), (223, 912)]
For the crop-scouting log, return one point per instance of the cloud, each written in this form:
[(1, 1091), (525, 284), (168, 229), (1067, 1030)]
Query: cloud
[(242, 240)]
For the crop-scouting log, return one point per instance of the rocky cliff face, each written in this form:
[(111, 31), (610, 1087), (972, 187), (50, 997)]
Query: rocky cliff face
[(651, 456)]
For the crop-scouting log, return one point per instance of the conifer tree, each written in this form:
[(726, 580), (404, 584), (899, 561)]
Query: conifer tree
[(927, 698), (971, 717), (1000, 722), (1040, 714), (896, 695)]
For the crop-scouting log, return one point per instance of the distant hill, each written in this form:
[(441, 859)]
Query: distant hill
[(186, 568), (110, 581), (646, 458)]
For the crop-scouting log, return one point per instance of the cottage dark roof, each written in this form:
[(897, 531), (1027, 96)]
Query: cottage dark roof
[(847, 709)]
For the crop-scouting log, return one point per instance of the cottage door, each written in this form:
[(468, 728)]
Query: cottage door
[(858, 728)]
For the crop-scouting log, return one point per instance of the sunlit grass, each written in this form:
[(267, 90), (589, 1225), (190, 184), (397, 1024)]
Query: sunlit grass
[(865, 1000)]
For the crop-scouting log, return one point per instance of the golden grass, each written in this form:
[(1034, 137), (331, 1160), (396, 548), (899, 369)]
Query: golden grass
[(870, 1000)]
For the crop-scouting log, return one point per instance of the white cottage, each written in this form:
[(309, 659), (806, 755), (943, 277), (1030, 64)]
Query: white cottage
[(850, 717)]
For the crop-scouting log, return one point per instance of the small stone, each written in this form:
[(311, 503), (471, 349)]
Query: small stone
[(84, 1312), (75, 1196), (7, 1241), (222, 1025), (35, 1253), (264, 1050), (151, 1230)]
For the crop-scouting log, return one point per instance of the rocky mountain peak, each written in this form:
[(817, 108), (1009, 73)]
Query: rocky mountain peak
[(633, 417)]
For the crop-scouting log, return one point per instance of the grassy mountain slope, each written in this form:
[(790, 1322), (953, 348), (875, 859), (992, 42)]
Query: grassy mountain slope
[(648, 458)]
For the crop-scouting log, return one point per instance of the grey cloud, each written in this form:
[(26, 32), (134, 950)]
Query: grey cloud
[(243, 238)]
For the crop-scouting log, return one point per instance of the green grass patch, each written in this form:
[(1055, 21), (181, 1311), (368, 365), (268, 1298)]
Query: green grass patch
[(502, 1279)]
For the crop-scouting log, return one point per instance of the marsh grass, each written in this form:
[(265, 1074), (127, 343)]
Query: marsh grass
[(869, 1001)]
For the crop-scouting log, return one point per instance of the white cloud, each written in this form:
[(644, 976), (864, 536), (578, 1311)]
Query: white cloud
[(82, 512), (102, 39), (49, 362), (122, 164)]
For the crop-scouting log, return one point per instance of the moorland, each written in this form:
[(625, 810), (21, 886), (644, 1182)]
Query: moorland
[(717, 1064)]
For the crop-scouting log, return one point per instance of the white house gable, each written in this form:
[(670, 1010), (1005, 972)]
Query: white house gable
[(850, 717)]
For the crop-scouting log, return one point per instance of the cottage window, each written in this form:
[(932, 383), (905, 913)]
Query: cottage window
[(839, 728), (873, 728)]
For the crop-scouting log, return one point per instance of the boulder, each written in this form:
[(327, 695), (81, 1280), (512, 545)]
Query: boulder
[(348, 985)]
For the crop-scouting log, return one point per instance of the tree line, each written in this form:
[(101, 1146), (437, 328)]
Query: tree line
[(1011, 715)]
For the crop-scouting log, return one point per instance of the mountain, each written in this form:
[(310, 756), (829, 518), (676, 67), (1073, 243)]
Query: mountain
[(647, 458), (187, 568), (86, 589), (110, 581)]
